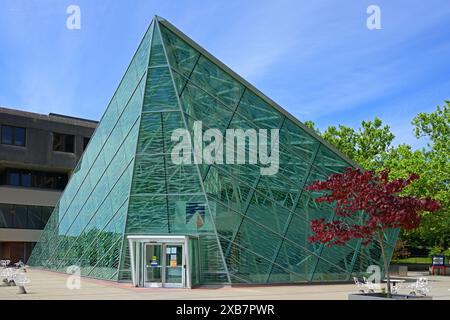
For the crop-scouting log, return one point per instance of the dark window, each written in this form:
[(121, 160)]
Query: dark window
[(34, 179), (6, 215), (24, 217), (35, 217), (19, 136), (7, 135), (20, 217), (14, 178), (13, 136), (25, 179), (85, 142), (63, 142)]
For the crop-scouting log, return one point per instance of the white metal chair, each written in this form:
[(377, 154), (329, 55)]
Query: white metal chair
[(421, 286), (359, 284), (20, 280), (369, 285), (21, 266), (4, 263), (6, 275)]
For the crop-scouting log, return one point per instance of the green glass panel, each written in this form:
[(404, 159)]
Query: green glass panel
[(329, 162), (212, 269), (226, 189), (150, 134), (142, 53), (299, 262), (181, 56), (149, 175), (159, 91), (157, 56), (227, 222), (328, 272), (282, 275), (263, 115), (257, 239), (201, 106), (246, 267), (267, 212), (298, 141), (147, 215), (218, 83)]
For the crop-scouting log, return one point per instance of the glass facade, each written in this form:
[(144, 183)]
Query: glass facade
[(251, 228)]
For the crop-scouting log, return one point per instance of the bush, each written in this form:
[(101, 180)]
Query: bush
[(436, 251)]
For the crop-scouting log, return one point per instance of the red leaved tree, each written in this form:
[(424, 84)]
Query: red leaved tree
[(354, 192)]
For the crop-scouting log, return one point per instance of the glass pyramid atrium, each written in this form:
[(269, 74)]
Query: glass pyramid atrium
[(249, 228)]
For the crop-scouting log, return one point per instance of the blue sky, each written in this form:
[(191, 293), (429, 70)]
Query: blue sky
[(317, 59)]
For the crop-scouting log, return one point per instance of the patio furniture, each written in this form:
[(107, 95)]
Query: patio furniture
[(359, 284), (421, 286), (396, 284), (20, 280), (22, 266), (369, 285)]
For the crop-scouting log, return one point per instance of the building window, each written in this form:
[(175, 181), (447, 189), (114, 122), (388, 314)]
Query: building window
[(24, 217), (34, 179), (85, 142), (63, 142), (15, 136)]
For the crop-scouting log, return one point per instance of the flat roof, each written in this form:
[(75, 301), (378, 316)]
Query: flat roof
[(54, 117)]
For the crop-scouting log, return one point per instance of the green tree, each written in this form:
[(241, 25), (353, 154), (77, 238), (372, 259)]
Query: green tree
[(371, 147), (433, 165), (366, 146)]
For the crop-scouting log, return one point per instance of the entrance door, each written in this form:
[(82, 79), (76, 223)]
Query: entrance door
[(153, 265), (174, 266), (163, 261), (163, 265)]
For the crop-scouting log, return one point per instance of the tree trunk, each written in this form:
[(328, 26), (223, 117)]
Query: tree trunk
[(386, 265)]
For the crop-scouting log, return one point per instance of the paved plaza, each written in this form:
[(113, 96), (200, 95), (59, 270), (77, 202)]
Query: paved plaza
[(49, 285)]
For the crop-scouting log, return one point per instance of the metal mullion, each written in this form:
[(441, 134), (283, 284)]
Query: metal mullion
[(165, 173), (190, 74)]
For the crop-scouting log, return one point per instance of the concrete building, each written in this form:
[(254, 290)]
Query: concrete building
[(37, 155)]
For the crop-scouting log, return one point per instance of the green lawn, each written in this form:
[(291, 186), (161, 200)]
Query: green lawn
[(413, 260)]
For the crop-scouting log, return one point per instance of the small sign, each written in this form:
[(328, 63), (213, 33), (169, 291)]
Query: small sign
[(438, 260), (173, 257), (154, 262), (168, 250), (173, 263), (174, 250)]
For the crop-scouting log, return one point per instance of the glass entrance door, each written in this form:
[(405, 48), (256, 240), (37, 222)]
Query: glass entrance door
[(164, 265), (174, 266), (153, 265)]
